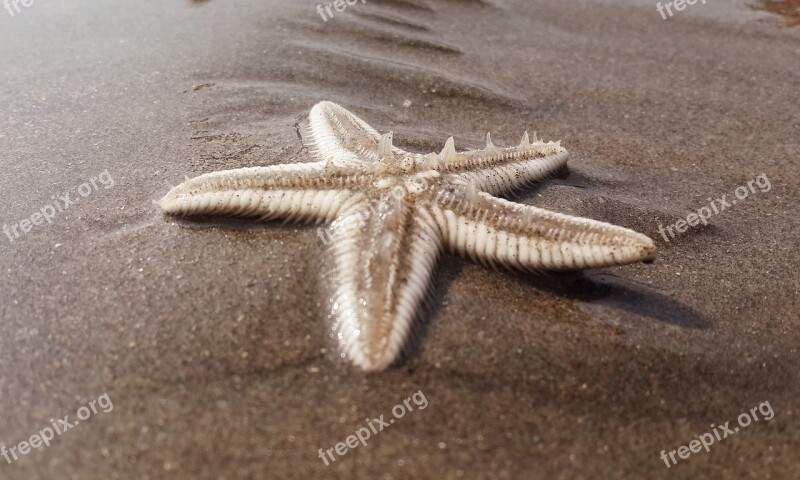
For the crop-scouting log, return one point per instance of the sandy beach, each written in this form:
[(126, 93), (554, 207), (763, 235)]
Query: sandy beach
[(202, 350)]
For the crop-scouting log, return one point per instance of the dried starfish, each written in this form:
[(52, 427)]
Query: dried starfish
[(392, 212)]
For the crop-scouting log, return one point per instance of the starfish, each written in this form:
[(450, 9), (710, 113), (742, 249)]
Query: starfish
[(391, 214)]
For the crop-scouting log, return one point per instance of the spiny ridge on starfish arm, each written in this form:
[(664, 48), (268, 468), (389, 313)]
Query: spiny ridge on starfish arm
[(391, 213)]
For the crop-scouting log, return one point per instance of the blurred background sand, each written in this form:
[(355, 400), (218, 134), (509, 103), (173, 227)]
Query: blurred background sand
[(211, 340)]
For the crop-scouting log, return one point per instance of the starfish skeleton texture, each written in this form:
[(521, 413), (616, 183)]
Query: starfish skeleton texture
[(410, 207)]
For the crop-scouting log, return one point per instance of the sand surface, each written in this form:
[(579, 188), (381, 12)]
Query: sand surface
[(210, 340)]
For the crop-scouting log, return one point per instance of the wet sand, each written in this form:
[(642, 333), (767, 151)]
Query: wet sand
[(210, 340)]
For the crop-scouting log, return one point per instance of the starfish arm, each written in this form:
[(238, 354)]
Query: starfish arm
[(497, 231), (384, 251), (501, 171), (339, 134), (299, 191)]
